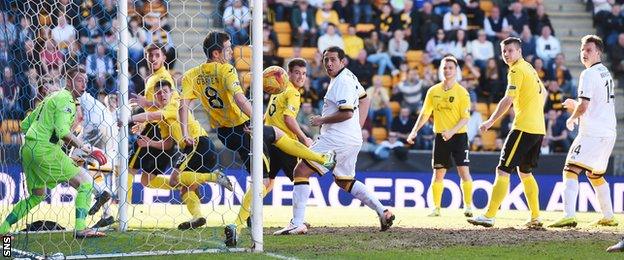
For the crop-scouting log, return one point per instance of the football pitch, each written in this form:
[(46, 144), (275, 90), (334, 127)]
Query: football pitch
[(344, 233)]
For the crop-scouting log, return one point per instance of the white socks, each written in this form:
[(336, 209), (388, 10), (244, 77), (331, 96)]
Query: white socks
[(603, 192), (301, 193), (360, 192), (570, 195)]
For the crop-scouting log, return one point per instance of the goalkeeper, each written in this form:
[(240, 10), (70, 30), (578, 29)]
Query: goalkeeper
[(45, 164)]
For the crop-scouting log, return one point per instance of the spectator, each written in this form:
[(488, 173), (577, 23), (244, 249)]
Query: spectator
[(611, 25), (458, 47), (602, 6), (379, 102), (10, 92), (282, 7), (8, 32), (506, 123), (405, 18), (540, 19), (547, 46), (470, 75), (494, 25), (493, 86), (310, 95), (236, 19), (438, 47), (368, 144), (74, 56), (428, 71), (362, 69), (29, 92), (617, 60), (318, 73), (303, 118), (269, 49), (517, 18), (426, 25), (426, 136), (91, 34), (344, 10), (386, 22), (353, 43), (362, 11), (326, 16), (481, 49), (412, 91), (477, 144), (441, 7), (100, 71), (397, 48), (561, 74), (555, 97), (63, 34), (542, 73), (51, 57), (377, 55), (529, 43), (329, 39), (556, 132), (303, 24), (391, 146), (472, 9), (402, 124), (108, 13), (25, 31), (136, 42), (455, 19), (473, 123)]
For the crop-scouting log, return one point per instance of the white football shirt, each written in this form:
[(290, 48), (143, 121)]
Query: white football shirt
[(344, 92), (596, 85)]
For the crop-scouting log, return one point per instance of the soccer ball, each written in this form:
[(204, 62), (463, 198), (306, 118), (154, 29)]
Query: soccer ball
[(274, 80)]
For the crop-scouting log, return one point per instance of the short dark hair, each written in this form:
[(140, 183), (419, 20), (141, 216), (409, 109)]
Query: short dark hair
[(511, 40), (450, 58), (341, 52), (71, 72), (296, 62), (155, 46), (162, 83), (214, 42), (595, 39)]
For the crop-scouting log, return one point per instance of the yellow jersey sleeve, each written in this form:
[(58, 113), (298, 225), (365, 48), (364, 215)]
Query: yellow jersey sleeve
[(464, 104), (231, 81), (189, 90), (427, 108), (293, 102), (514, 79)]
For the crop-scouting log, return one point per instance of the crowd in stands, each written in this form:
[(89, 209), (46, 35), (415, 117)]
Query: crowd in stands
[(40, 40)]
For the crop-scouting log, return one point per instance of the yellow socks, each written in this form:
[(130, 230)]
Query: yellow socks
[(466, 187), (499, 192), (130, 182), (192, 202), (297, 149), (188, 178), (437, 189), (531, 192), (160, 182), (245, 209)]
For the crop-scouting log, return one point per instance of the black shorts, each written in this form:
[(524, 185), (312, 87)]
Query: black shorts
[(521, 149), (201, 157), (236, 139), (456, 147), (281, 161), (152, 160)]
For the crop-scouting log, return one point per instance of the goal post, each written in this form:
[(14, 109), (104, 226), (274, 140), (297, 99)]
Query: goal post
[(257, 121)]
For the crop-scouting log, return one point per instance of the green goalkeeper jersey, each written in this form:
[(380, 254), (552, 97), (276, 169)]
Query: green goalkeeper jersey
[(52, 118)]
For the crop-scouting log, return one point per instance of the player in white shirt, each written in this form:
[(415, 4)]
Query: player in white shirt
[(594, 112), (344, 111)]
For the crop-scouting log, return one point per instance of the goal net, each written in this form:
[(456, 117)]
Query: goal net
[(114, 42)]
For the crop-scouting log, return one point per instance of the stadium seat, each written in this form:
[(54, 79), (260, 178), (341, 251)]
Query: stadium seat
[(344, 28), (365, 27), (285, 52), (10, 126), (242, 52), (242, 64), (282, 27), (486, 6), (308, 53), (379, 134), (414, 56), (386, 81), (395, 107), (483, 109), (489, 139), (285, 39)]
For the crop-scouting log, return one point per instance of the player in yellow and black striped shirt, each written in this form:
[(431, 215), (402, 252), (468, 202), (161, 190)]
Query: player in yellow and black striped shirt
[(449, 103), (216, 84), (522, 146)]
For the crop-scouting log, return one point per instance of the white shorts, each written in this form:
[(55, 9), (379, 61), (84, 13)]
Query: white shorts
[(346, 158), (591, 153)]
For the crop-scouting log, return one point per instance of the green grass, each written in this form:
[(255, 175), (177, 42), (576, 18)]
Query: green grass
[(348, 233)]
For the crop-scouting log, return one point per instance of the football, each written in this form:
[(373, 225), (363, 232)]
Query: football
[(274, 80)]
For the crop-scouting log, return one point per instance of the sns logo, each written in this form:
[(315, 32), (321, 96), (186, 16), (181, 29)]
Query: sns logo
[(6, 246)]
